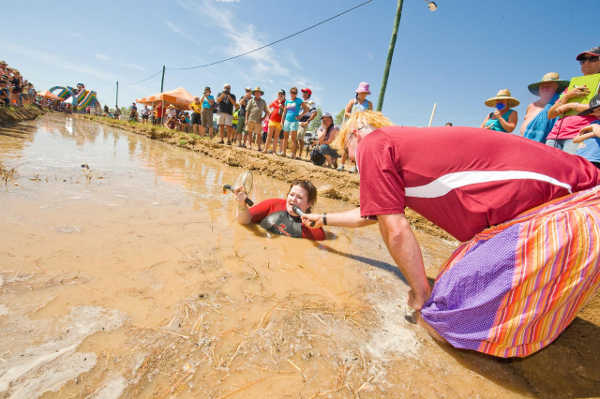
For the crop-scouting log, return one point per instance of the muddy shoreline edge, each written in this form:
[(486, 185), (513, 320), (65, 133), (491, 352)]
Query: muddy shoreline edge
[(331, 183), (10, 116)]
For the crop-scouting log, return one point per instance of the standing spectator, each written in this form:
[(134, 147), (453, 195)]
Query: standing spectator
[(4, 94), (568, 126), (503, 119), (225, 104), (17, 88), (306, 117), (243, 103), (326, 135), (449, 124), (133, 115), (256, 112), (358, 104), (158, 113), (536, 124), (590, 149), (208, 104), (196, 107), (274, 126), (290, 117), (145, 114)]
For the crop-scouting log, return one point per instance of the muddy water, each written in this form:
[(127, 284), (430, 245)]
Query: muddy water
[(124, 274)]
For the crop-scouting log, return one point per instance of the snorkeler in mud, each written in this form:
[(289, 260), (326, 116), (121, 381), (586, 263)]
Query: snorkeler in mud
[(528, 216), (277, 215)]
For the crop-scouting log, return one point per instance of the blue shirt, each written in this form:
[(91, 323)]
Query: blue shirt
[(590, 148), (293, 109), (206, 103)]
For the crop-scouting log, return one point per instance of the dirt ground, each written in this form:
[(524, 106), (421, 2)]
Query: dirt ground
[(130, 279)]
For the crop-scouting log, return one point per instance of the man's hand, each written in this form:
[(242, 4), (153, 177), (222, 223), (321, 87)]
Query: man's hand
[(563, 109), (312, 220), (587, 133), (576, 92)]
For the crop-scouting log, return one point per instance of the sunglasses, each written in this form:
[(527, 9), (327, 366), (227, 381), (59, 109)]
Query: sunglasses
[(590, 59)]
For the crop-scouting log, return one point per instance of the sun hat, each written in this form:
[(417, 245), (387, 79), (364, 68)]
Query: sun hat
[(550, 77), (257, 88), (363, 87), (503, 94), (226, 85), (307, 90), (248, 89), (594, 52), (594, 104)]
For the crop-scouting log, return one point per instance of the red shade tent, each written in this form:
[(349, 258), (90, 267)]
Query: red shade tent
[(49, 95), (179, 97)]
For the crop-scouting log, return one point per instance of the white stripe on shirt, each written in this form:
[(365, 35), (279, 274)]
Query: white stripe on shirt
[(446, 183)]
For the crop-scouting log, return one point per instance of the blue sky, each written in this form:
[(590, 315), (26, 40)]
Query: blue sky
[(456, 57)]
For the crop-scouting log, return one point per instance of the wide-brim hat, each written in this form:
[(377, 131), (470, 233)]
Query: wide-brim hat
[(503, 95), (594, 105), (363, 87), (550, 77), (257, 88)]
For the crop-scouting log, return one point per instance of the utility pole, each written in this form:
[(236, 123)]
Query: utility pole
[(390, 55), (117, 97), (162, 80)]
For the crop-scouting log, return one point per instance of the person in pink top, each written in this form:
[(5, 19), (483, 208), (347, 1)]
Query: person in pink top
[(528, 216), (566, 128)]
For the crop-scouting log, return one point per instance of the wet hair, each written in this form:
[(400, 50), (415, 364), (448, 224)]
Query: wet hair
[(310, 189)]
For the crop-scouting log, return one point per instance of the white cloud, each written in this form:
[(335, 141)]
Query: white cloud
[(178, 30), (135, 67), (102, 57), (57, 61)]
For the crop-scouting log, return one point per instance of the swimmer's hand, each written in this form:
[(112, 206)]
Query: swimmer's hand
[(587, 133), (241, 196), (312, 220)]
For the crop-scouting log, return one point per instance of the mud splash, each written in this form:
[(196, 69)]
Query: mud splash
[(133, 269)]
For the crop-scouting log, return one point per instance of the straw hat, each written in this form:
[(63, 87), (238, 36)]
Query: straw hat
[(503, 94), (257, 88), (550, 77)]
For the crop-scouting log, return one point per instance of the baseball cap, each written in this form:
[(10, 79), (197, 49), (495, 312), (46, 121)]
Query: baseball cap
[(306, 90), (281, 91), (594, 52), (327, 115)]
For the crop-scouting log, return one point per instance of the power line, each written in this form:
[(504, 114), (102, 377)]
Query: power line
[(145, 79), (276, 41)]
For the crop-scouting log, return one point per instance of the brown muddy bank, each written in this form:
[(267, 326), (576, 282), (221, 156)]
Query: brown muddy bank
[(10, 116), (330, 183)]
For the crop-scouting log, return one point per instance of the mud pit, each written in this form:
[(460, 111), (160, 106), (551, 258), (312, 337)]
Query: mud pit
[(131, 279)]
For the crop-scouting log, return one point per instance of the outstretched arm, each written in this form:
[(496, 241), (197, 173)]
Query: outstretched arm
[(349, 218), (404, 248)]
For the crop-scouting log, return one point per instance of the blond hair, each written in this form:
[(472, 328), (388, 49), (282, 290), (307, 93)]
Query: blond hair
[(374, 119)]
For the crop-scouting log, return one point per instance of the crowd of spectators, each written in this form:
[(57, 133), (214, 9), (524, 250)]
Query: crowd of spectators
[(560, 114), (280, 127), (14, 90)]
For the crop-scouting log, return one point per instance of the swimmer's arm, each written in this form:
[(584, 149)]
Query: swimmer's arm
[(349, 218), (243, 213)]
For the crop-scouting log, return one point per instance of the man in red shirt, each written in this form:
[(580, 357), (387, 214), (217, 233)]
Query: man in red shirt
[(518, 204)]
